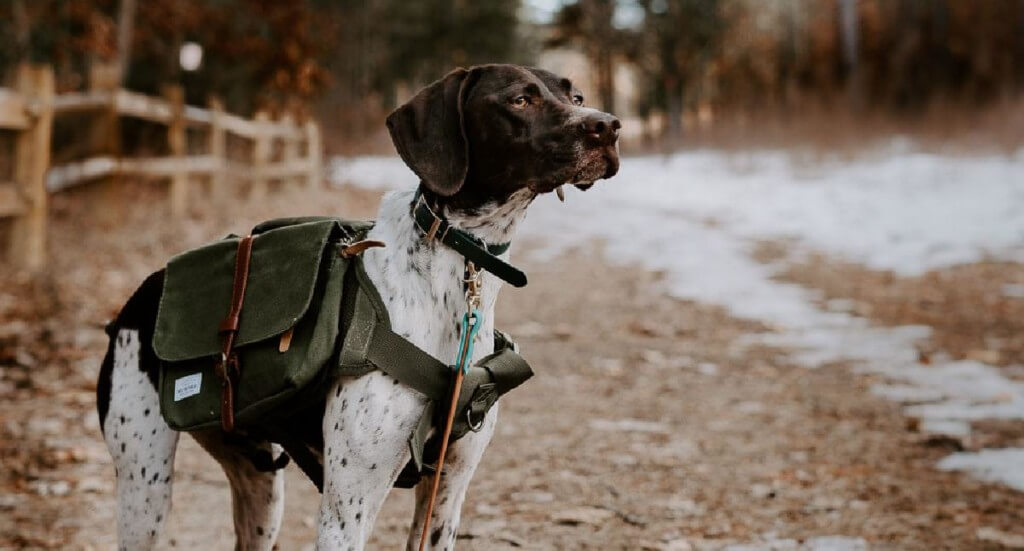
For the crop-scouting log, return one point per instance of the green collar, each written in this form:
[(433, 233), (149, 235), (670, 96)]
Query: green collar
[(482, 255)]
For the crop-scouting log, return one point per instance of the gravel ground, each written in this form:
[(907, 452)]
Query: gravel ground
[(646, 427)]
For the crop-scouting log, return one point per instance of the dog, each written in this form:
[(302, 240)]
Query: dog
[(485, 142)]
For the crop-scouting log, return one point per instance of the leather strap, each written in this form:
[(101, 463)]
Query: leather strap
[(482, 255), (358, 247), (229, 368)]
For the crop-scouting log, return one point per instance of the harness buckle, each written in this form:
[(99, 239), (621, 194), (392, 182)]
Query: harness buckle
[(431, 233)]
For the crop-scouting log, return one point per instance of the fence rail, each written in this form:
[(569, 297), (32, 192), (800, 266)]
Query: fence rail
[(29, 110)]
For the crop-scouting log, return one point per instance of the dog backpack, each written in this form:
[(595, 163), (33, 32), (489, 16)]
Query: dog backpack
[(251, 333)]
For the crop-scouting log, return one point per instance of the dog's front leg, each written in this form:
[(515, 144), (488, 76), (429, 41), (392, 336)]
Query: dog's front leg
[(366, 427), (463, 457)]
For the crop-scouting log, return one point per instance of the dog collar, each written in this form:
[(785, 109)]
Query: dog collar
[(482, 255)]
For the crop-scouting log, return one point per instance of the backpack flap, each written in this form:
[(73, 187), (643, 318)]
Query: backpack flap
[(288, 329), (197, 290)]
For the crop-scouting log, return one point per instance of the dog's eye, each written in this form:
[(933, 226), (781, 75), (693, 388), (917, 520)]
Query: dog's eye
[(521, 101), (577, 99)]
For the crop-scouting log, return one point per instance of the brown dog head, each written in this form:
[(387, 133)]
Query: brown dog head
[(481, 134)]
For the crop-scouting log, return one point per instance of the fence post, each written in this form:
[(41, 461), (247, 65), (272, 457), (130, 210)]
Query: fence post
[(260, 156), (314, 155), (218, 150), (177, 142), (32, 159), (290, 148), (105, 138)]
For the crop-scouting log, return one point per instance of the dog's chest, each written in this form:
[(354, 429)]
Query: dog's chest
[(421, 284)]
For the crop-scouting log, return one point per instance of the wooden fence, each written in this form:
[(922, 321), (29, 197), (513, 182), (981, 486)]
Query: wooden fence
[(282, 150)]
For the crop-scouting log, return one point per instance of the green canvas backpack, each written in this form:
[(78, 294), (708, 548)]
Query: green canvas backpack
[(287, 331), (310, 314)]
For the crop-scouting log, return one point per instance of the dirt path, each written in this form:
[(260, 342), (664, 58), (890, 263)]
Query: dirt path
[(646, 427)]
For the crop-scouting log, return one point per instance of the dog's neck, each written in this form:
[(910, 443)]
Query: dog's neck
[(421, 282), (493, 222)]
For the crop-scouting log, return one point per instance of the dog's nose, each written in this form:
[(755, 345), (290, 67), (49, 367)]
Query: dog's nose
[(601, 128)]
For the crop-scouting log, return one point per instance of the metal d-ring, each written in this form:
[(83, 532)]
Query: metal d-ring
[(469, 421)]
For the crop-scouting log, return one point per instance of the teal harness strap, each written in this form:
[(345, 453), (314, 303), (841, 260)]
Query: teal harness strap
[(482, 255), (471, 322)]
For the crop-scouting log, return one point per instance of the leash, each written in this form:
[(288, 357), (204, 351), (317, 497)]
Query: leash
[(482, 256), (479, 256), (471, 322)]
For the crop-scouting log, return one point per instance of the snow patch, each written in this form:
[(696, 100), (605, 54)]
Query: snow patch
[(994, 465), (629, 425), (698, 217), (1013, 290), (947, 427), (371, 172)]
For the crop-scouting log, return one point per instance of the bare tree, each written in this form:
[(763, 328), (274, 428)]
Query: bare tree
[(849, 28), (125, 25), (22, 27), (589, 24), (679, 38)]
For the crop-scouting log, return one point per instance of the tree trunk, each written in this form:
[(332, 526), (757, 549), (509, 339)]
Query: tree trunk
[(597, 34), (606, 79), (125, 26), (674, 108), (849, 28), (1020, 43), (22, 28)]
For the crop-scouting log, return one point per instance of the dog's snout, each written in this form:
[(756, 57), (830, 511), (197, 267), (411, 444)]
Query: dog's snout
[(601, 128)]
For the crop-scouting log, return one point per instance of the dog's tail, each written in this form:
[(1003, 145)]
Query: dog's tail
[(139, 313)]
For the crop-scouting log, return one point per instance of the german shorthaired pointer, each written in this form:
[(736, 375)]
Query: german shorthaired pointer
[(485, 142)]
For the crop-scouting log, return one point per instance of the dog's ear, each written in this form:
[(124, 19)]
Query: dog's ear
[(429, 133)]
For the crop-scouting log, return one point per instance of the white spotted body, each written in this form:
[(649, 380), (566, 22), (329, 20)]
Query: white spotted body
[(142, 447), (367, 421), (369, 418)]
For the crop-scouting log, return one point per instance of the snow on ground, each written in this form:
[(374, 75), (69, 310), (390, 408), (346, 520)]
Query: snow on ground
[(826, 543), (996, 465), (697, 216)]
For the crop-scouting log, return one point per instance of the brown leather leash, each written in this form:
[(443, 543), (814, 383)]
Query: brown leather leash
[(472, 281), (228, 368), (445, 437)]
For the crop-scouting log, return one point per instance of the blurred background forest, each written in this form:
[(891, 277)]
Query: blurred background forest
[(678, 71)]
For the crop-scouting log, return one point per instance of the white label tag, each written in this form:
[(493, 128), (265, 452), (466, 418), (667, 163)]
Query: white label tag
[(187, 386)]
